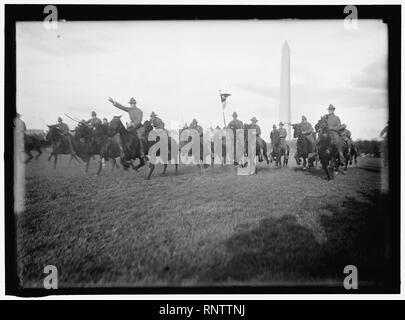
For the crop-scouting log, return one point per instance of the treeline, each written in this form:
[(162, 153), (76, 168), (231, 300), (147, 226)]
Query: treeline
[(372, 147)]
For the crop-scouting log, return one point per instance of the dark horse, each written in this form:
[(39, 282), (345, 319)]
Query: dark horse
[(261, 145), (281, 149), (304, 147), (32, 142), (131, 145), (328, 152), (60, 144), (91, 142)]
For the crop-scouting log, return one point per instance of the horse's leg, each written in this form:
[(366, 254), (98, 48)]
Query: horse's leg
[(87, 165), (56, 160), (100, 165), (326, 169), (141, 164), (151, 168), (176, 168), (50, 156), (29, 156), (39, 153)]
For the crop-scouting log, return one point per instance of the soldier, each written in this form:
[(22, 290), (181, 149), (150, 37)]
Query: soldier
[(156, 122), (235, 124), (282, 133), (307, 130), (94, 121), (194, 125), (64, 129), (105, 121), (272, 135), (346, 135), (334, 126), (135, 115), (254, 125)]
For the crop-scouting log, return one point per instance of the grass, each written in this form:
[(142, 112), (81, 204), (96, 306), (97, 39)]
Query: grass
[(279, 226)]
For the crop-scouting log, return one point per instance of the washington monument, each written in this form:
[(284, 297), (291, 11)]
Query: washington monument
[(284, 112)]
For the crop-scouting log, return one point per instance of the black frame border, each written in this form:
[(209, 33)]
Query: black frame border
[(390, 14)]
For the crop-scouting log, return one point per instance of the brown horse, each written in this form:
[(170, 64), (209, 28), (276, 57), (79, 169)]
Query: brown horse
[(60, 144), (281, 149), (328, 151)]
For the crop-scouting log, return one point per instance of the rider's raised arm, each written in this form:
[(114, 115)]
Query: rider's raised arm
[(120, 106)]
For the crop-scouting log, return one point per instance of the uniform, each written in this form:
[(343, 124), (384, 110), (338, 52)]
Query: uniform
[(93, 122), (135, 114), (272, 136), (257, 128), (64, 129), (235, 124), (157, 123), (282, 132), (334, 122), (307, 130)]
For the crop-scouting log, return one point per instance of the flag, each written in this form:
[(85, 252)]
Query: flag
[(223, 98)]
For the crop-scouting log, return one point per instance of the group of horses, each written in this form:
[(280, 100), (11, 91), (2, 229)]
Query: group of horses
[(104, 140)]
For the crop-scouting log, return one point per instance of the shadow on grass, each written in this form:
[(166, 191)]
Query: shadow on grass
[(282, 249)]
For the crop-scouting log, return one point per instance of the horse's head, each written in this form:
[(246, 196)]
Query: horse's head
[(322, 124), (83, 131), (116, 125), (297, 130), (53, 133)]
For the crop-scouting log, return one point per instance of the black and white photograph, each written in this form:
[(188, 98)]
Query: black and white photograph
[(242, 152)]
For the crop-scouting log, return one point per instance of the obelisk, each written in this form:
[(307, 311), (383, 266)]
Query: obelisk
[(284, 113)]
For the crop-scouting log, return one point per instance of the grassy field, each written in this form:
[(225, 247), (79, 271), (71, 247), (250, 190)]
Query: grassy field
[(280, 226)]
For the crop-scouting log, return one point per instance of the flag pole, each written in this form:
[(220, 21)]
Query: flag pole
[(223, 111)]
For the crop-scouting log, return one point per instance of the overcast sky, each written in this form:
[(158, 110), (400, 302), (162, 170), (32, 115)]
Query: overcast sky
[(176, 69)]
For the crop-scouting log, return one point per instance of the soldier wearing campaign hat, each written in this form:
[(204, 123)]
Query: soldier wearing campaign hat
[(94, 121), (156, 122), (255, 126), (135, 115), (235, 123)]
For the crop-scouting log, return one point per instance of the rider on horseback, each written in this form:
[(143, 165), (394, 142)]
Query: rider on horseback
[(255, 126), (64, 130), (94, 121), (135, 114), (282, 134), (334, 127)]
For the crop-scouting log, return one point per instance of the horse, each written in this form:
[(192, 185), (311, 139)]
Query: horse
[(328, 151), (304, 147), (60, 144), (96, 142), (32, 142), (261, 145), (171, 142), (131, 145), (280, 150)]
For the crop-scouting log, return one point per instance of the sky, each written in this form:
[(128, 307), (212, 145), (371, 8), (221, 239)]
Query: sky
[(176, 69)]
